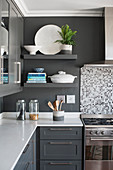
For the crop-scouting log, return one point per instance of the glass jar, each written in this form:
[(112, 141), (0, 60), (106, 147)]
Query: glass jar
[(33, 109), (21, 109)]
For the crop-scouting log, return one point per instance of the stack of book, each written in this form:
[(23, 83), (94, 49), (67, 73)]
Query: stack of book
[(4, 78), (36, 78)]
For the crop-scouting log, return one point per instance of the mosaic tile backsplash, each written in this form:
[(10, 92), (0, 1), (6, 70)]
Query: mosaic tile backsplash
[(96, 94)]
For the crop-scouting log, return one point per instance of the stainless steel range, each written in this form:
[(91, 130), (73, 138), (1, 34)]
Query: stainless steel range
[(98, 141)]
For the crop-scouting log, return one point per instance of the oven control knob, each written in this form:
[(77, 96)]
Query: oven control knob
[(91, 132), (103, 133), (97, 132)]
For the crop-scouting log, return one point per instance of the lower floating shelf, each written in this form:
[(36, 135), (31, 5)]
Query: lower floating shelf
[(52, 85)]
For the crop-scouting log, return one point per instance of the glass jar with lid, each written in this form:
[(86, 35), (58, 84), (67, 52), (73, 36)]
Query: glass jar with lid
[(21, 109), (33, 109)]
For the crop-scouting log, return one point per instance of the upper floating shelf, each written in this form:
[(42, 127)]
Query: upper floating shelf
[(50, 57)]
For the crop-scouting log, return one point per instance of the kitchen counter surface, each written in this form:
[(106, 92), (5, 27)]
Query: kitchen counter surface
[(14, 135)]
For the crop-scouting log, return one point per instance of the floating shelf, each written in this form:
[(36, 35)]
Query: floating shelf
[(52, 85), (50, 57)]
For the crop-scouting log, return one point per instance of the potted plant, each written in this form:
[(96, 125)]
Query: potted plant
[(67, 39)]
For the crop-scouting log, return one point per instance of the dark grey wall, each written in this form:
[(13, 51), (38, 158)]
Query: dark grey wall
[(90, 48), (1, 104)]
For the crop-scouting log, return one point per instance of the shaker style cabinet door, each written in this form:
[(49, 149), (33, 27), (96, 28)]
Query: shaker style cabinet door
[(27, 160), (11, 30), (4, 46), (19, 45), (4, 42), (13, 45), (16, 42)]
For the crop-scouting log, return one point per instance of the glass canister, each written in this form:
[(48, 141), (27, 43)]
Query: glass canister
[(33, 109), (21, 109)]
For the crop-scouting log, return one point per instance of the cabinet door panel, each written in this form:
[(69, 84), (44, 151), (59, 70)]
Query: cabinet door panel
[(60, 133), (27, 160), (60, 165), (60, 149), (13, 45), (24, 166), (4, 44), (19, 46)]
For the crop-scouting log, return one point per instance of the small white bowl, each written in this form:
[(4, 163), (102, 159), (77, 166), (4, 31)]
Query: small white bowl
[(32, 48)]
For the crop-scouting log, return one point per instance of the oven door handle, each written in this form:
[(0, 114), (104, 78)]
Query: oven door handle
[(102, 139)]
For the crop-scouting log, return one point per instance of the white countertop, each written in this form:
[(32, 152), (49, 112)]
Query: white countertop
[(14, 135)]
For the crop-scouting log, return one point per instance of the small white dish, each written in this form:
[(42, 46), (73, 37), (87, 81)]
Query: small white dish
[(32, 49), (62, 77)]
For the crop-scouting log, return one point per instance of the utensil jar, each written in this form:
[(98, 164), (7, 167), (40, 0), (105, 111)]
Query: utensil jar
[(58, 115), (33, 109)]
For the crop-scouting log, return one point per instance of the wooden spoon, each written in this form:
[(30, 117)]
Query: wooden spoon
[(54, 104), (61, 104), (50, 105), (57, 104)]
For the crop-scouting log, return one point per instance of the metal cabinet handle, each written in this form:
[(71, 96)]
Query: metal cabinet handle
[(60, 143), (25, 150), (19, 75), (60, 129), (1, 69), (102, 139), (2, 59), (60, 163), (27, 165)]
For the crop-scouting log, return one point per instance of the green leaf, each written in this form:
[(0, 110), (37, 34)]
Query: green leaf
[(61, 34), (66, 35), (67, 29)]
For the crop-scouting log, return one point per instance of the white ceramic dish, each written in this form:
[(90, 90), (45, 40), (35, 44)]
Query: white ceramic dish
[(62, 77), (46, 37), (50, 49), (32, 49)]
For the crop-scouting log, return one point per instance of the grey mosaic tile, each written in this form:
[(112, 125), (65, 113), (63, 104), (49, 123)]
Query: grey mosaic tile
[(96, 91)]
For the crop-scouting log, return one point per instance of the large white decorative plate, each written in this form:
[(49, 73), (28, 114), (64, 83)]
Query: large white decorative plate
[(46, 37)]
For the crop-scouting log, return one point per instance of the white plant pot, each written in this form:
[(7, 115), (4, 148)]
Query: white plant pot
[(66, 49)]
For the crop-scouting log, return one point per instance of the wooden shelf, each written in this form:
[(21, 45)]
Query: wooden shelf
[(51, 85), (50, 57)]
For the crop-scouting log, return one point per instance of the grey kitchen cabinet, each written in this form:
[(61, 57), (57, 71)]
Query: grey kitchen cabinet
[(15, 42), (27, 160), (4, 41), (60, 148)]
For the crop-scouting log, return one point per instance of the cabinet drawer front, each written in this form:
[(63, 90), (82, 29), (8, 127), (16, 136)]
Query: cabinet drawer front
[(60, 149), (24, 166), (60, 165), (27, 154), (61, 133)]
